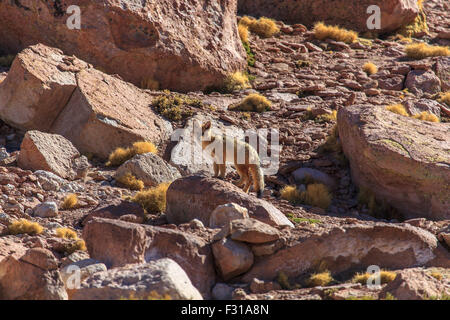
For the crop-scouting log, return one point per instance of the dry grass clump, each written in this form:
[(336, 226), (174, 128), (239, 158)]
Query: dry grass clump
[(150, 84), (370, 68), (243, 32), (66, 233), (253, 102), (120, 155), (423, 50), (173, 106), (24, 226), (130, 182), (320, 279), (317, 195), (437, 275), (426, 116), (263, 27), (398, 109), (237, 81), (291, 194), (322, 32), (153, 200), (445, 98), (385, 277), (69, 202), (328, 117), (71, 247)]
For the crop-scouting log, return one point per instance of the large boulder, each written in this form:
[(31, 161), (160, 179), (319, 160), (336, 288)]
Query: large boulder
[(442, 70), (183, 45), (343, 249), (49, 152), (402, 160), (149, 168), (196, 197), (48, 91), (117, 243), (423, 81), (30, 275), (161, 279), (351, 14)]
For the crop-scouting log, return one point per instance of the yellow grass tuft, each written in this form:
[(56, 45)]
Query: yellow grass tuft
[(69, 202), (445, 98), (131, 182), (322, 32), (317, 195), (78, 245), (263, 27), (426, 116), (423, 50), (243, 32), (370, 68), (24, 226), (398, 109), (437, 275), (291, 194), (253, 102), (66, 233), (153, 200), (120, 155), (236, 81), (385, 277), (319, 279)]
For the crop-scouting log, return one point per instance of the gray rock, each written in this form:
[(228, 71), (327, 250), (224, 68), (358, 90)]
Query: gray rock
[(46, 210), (319, 176), (225, 213)]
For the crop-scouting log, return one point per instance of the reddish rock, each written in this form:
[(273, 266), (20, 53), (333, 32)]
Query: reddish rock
[(184, 45), (351, 14), (196, 197), (232, 258), (116, 210)]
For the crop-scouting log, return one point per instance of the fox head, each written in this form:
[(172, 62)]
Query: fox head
[(206, 130), (205, 133)]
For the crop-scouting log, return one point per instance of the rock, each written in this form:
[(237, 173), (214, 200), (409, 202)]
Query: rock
[(421, 81), (183, 45), (417, 106), (223, 214), (73, 274), (117, 243), (31, 275), (50, 152), (49, 181), (309, 173), (91, 109), (150, 168), (252, 231), (400, 159), (415, 284), (222, 291), (442, 70), (117, 210), (357, 246), (196, 197), (445, 236), (47, 209), (393, 82), (155, 279), (259, 286), (350, 14), (232, 258)]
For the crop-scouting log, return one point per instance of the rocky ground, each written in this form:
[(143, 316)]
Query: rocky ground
[(273, 246)]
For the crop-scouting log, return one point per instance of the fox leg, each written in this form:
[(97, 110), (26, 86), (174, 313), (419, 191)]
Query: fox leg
[(248, 183), (241, 170), (216, 169), (222, 169)]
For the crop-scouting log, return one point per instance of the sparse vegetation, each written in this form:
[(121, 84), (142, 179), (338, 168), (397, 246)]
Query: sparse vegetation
[(236, 81), (437, 275), (320, 279), (370, 68), (301, 220), (291, 194), (398, 109), (66, 233), (153, 200), (385, 277), (263, 27), (426, 116), (243, 32), (129, 181), (317, 195), (360, 298), (445, 98), (302, 63), (69, 202), (283, 280), (423, 50), (152, 296), (322, 32), (24, 226), (253, 103), (6, 61), (76, 245), (120, 155), (327, 117), (173, 106)]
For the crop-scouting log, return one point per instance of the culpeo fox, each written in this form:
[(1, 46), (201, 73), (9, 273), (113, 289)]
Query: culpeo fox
[(248, 169)]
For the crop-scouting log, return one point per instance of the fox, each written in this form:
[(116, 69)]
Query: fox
[(250, 170)]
